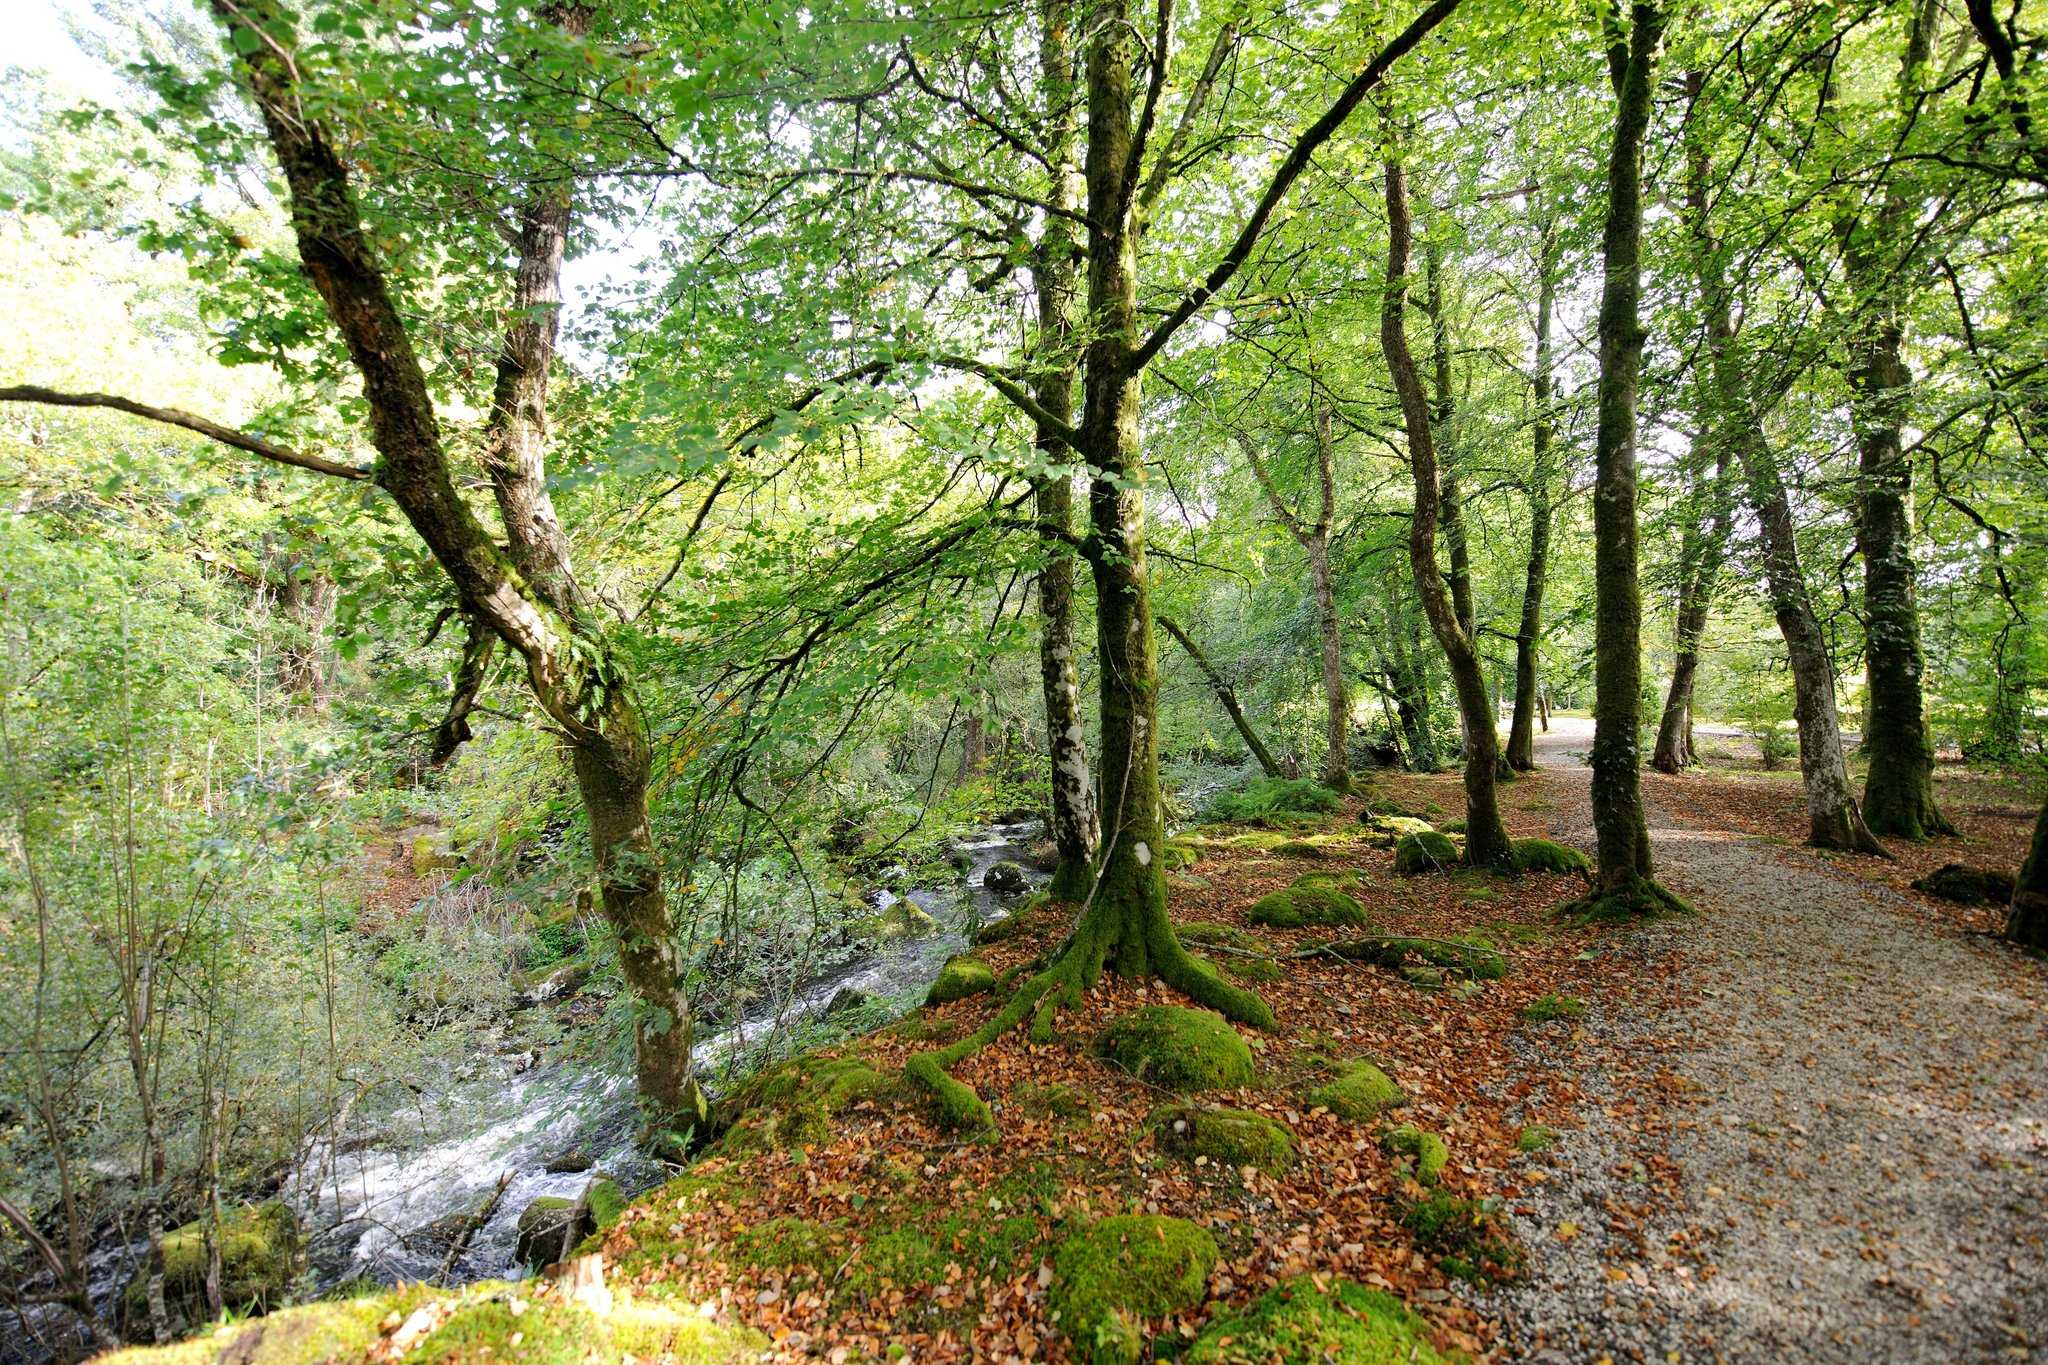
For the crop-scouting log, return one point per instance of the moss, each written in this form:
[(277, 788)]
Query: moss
[(995, 1233), (1300, 848), (1316, 1319), (1418, 853), (1305, 904), (1052, 1101), (961, 977), (1359, 1092), (1024, 919), (1178, 855), (1545, 1008), (333, 1329), (1966, 885), (1112, 1276), (1427, 959), (1542, 855), (954, 1106), (1179, 1049), (485, 1328), (1202, 934), (792, 1103), (1425, 1151), (606, 1202), (259, 1246), (1466, 1235), (899, 921), (791, 1246), (1257, 970), (1387, 830), (1230, 1137), (1535, 1137)]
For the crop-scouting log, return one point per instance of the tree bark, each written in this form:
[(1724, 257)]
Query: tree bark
[(470, 673), (1226, 696), (527, 594), (1076, 828), (1314, 539), (1486, 839), (2027, 924), (1411, 689), (1521, 751), (1443, 410), (1625, 870)]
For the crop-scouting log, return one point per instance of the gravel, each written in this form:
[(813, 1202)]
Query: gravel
[(1856, 1108)]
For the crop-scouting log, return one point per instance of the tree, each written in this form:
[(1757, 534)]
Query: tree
[(1625, 883), (2027, 924), (1486, 839), (1521, 747)]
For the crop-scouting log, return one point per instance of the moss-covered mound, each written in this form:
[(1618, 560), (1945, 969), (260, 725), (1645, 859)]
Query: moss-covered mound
[(1966, 885), (1178, 1049), (1359, 1092), (1304, 903), (1300, 1321), (961, 977), (792, 1103), (1543, 855), (259, 1247), (1545, 1008), (1228, 1137), (1424, 852), (1246, 956), (1179, 855), (1110, 1277), (1472, 955), (1389, 829), (1425, 1153)]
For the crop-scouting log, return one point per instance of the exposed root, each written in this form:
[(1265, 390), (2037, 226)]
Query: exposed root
[(1639, 898)]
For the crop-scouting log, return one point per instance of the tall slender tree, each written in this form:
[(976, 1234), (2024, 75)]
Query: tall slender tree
[(1521, 747)]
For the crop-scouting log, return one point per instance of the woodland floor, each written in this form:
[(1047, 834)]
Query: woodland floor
[(1828, 1139)]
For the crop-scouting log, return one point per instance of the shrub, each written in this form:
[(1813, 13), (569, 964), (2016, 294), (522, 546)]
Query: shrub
[(1267, 799)]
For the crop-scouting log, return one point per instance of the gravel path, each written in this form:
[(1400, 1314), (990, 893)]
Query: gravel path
[(1859, 1131)]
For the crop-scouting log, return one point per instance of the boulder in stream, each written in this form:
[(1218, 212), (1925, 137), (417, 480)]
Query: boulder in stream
[(550, 1227), (1006, 878), (259, 1254)]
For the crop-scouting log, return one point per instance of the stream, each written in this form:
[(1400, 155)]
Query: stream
[(377, 1203)]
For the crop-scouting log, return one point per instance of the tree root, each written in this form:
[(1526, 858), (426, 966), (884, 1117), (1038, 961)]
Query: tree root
[(1637, 899)]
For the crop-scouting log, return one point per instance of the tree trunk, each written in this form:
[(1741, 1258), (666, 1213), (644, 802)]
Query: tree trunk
[(1521, 751), (1898, 790), (1411, 689), (2027, 925), (307, 598), (1075, 827), (453, 731), (1486, 839), (973, 745), (528, 595), (1442, 412), (1227, 696), (1624, 838)]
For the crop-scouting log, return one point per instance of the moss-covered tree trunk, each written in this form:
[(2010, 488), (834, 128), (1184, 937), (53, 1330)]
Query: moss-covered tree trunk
[(527, 592), (1410, 680), (1898, 790), (1521, 750), (1625, 881), (1075, 828), (1486, 839), (2027, 924)]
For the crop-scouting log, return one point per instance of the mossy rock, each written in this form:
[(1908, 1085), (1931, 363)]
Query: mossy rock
[(333, 1329), (605, 1201), (961, 977), (1228, 1137), (1114, 1275), (901, 920), (1360, 1092), (1306, 903), (1052, 1100), (259, 1250), (1427, 852), (1544, 855), (1425, 1152), (1306, 1320), (1178, 1049), (1205, 934), (1966, 885), (1300, 848), (1006, 878), (549, 1227), (1545, 1008), (1387, 830), (1023, 920), (1427, 959), (1535, 1137), (791, 1104), (1178, 855)]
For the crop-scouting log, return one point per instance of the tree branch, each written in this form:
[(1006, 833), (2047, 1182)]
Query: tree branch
[(227, 436)]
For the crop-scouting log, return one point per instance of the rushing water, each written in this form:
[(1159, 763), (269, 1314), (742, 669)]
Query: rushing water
[(370, 1197), (370, 1206)]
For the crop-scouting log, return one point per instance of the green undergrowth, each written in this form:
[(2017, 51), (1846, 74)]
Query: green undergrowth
[(1424, 1153), (1465, 1235), (1112, 1276), (1266, 799), (1545, 1008)]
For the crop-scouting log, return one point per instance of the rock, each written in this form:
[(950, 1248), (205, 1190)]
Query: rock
[(1112, 1276), (1426, 1152), (1006, 878), (1966, 885), (259, 1251), (895, 922), (1228, 1137), (1360, 1092), (1427, 852), (604, 1201), (549, 1229), (1389, 829), (1178, 1049), (570, 1161), (1318, 1319), (1307, 902), (961, 977), (1422, 974), (556, 983), (844, 999), (1541, 855)]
